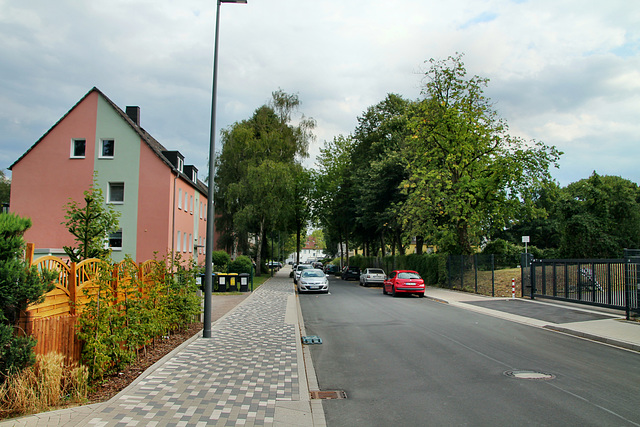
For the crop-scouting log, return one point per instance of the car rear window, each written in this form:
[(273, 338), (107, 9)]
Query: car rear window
[(408, 276), (375, 271)]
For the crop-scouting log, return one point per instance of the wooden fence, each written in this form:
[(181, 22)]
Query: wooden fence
[(52, 322)]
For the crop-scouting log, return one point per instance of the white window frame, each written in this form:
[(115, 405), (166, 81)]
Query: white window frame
[(178, 241), (184, 242), (180, 165), (115, 202), (191, 205), (72, 153), (102, 141), (186, 201), (115, 248), (190, 243), (180, 198)]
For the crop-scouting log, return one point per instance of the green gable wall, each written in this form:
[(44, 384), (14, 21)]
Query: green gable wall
[(124, 167)]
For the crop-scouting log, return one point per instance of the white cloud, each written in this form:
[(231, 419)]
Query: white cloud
[(565, 73)]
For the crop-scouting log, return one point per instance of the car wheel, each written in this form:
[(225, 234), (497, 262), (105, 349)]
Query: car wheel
[(393, 292), (421, 294), (384, 290)]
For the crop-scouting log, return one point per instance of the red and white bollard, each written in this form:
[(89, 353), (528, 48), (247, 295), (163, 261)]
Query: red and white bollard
[(513, 288)]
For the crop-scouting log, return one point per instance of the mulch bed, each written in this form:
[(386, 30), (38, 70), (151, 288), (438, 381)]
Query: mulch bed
[(113, 384)]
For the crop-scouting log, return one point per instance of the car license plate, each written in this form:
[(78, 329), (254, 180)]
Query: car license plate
[(314, 287), (410, 283)]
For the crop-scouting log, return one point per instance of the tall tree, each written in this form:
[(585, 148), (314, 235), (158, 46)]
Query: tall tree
[(252, 150), (263, 191), (467, 172), (378, 168), (600, 217), (333, 190)]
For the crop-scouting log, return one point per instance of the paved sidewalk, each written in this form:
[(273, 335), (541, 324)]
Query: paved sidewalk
[(602, 325), (252, 372)]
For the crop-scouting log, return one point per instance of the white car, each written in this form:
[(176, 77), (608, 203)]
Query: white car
[(313, 280), (298, 271), (372, 276)]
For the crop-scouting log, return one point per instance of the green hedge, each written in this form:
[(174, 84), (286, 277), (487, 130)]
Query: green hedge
[(432, 267)]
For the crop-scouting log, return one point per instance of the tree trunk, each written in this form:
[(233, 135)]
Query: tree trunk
[(259, 250), (463, 238), (298, 231), (346, 245), (383, 249), (419, 243)]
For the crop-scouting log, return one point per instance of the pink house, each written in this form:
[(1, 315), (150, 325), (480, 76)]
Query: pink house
[(161, 200)]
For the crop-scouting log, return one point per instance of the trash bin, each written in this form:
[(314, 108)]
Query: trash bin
[(233, 282), (244, 282), (221, 282), (202, 283)]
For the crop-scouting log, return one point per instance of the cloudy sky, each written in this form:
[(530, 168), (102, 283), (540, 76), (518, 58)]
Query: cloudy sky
[(566, 72)]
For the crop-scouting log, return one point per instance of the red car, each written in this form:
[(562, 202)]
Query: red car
[(403, 282)]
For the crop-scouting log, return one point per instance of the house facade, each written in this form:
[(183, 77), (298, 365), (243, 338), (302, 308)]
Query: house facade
[(161, 200), (310, 252)]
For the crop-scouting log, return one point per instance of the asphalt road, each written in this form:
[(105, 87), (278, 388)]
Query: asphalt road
[(415, 362)]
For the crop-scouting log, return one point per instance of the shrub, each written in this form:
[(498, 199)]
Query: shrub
[(242, 264), (118, 322), (19, 287), (221, 261)]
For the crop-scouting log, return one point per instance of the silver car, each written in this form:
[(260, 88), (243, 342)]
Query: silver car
[(313, 280), (298, 271), (372, 276)]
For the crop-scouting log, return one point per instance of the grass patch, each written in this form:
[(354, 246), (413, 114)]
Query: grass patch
[(502, 278)]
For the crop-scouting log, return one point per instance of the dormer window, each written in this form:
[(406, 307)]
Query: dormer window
[(180, 165)]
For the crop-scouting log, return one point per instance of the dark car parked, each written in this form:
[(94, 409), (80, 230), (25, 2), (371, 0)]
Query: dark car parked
[(331, 268), (351, 272)]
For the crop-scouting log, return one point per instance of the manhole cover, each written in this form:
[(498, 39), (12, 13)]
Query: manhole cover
[(529, 375), (333, 394)]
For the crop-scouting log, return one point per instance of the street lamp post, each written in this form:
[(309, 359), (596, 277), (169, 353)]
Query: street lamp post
[(206, 333)]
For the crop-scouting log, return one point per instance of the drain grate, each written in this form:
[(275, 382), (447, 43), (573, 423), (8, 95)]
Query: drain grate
[(329, 394), (529, 375), (311, 339)]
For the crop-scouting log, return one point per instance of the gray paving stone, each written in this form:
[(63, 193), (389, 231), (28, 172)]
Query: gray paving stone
[(234, 378)]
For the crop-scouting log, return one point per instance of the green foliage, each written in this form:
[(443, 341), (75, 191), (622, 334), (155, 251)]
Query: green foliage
[(259, 176), (242, 264), (599, 217), (19, 287), (333, 197), (221, 260), (5, 188), (378, 169), (119, 322), (468, 175), (90, 223), (432, 267)]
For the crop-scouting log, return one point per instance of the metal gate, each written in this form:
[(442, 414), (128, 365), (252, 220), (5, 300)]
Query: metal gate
[(611, 283)]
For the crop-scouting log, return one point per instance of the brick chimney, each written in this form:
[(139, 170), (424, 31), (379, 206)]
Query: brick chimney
[(134, 114)]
